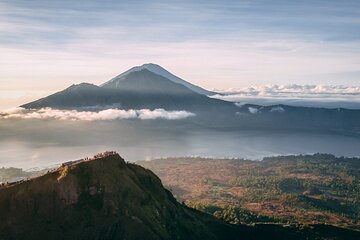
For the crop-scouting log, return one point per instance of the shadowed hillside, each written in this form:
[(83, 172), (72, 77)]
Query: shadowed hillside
[(107, 198), (101, 199)]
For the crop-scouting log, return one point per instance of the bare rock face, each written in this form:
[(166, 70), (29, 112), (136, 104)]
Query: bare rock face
[(67, 190)]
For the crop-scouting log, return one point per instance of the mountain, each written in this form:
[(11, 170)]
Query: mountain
[(150, 87), (107, 198), (115, 82), (136, 90)]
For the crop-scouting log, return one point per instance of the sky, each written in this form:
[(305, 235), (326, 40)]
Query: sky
[(45, 46)]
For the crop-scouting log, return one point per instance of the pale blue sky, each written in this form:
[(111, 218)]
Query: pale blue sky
[(48, 45)]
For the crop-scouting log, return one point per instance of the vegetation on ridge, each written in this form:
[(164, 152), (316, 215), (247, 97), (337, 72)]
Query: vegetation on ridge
[(107, 198), (304, 189), (104, 198)]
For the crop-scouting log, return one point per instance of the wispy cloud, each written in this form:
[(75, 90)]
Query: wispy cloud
[(57, 43), (108, 114)]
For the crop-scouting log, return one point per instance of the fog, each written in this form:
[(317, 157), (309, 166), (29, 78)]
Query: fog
[(32, 143)]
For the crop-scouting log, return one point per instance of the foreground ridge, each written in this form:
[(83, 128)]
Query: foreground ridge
[(104, 197)]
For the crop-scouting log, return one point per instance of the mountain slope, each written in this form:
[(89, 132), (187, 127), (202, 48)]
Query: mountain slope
[(101, 199), (106, 198), (302, 178), (137, 90), (115, 82), (80, 95), (344, 121)]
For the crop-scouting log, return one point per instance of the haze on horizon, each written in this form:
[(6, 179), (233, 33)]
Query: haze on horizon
[(48, 45)]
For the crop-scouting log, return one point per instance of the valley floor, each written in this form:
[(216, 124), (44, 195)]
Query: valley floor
[(304, 189)]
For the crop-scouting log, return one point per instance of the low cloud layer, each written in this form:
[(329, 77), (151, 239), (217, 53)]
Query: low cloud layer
[(295, 90), (332, 96), (277, 109), (108, 114), (253, 110)]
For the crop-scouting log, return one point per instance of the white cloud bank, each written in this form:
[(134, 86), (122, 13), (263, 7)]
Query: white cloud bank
[(295, 90), (332, 96), (108, 114)]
